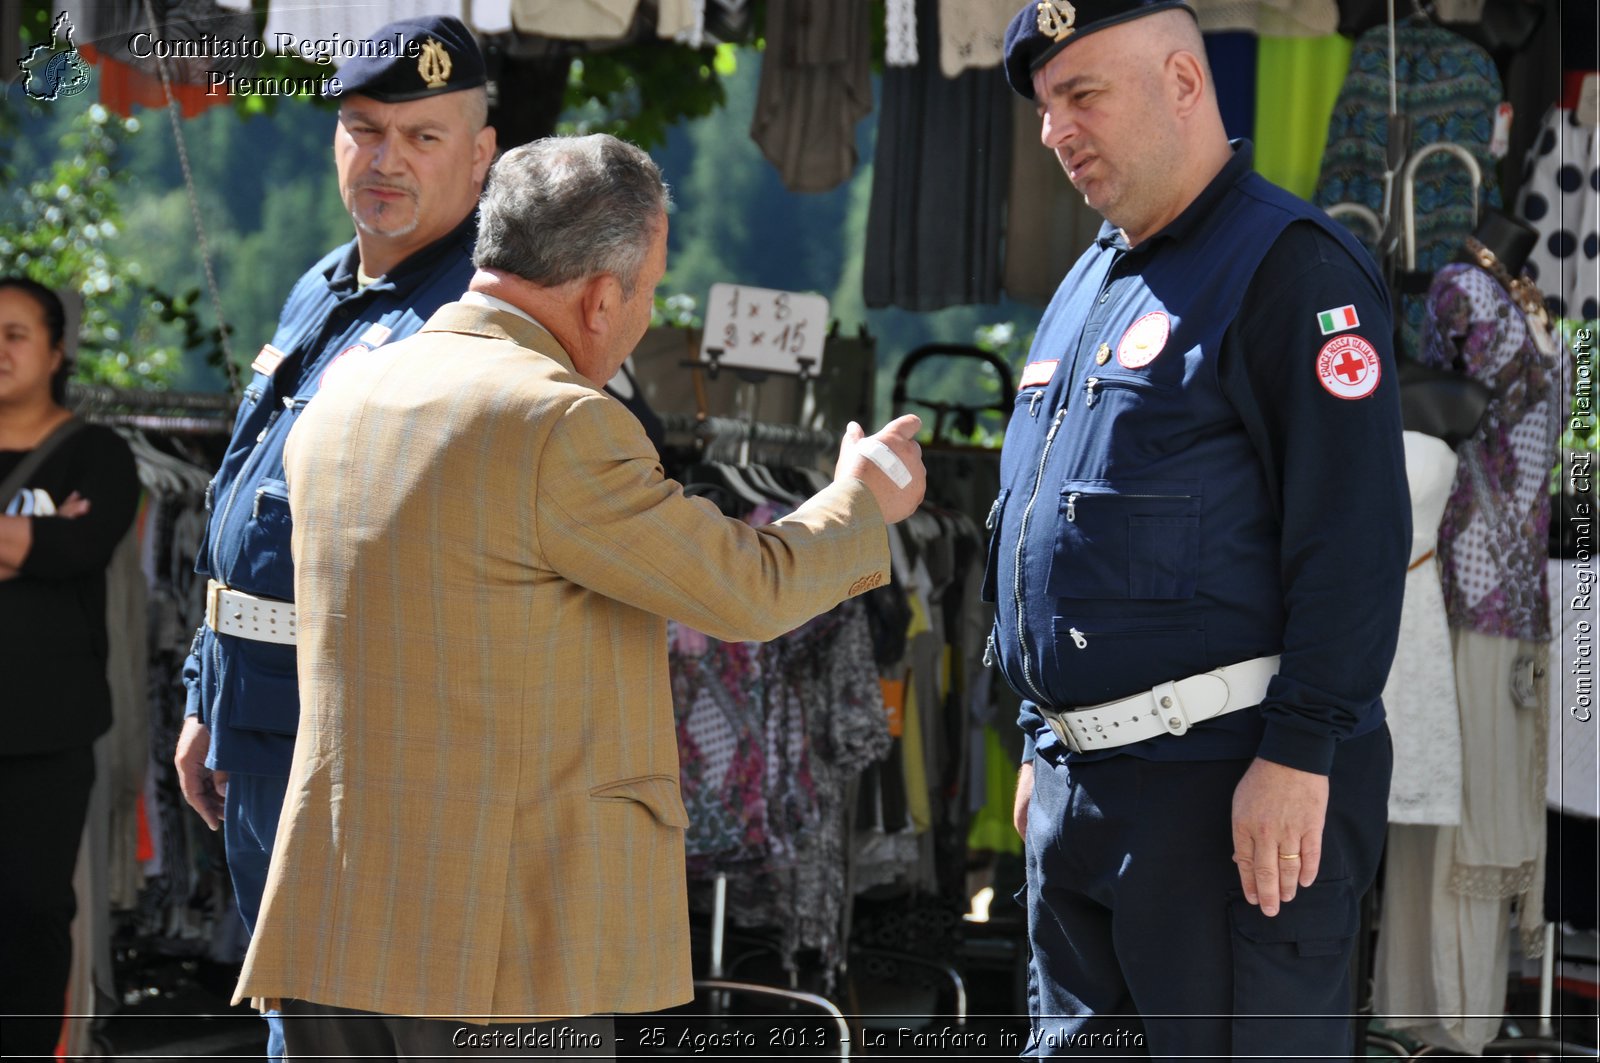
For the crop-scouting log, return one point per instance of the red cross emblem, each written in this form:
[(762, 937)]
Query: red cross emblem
[(1349, 367)]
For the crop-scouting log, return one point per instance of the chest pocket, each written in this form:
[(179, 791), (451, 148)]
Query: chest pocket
[(264, 553), (1127, 539)]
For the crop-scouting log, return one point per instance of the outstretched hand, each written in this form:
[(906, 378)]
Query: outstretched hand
[(889, 463)]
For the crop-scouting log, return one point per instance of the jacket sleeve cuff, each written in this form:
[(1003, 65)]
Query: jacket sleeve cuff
[(1295, 748)]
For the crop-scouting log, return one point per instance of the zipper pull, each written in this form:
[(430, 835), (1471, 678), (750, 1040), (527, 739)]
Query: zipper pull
[(988, 652), (1033, 403), (1072, 506), (211, 489), (1078, 639), (1088, 391), (994, 516), (1055, 424)]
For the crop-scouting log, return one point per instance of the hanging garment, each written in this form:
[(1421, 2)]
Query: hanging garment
[(900, 33), (972, 34), (128, 73), (317, 29), (821, 675), (1291, 120), (1277, 18), (1493, 540), (574, 20), (1443, 943), (487, 16), (816, 84), (1048, 224), (1561, 198), (682, 20), (1450, 89), (1419, 699), (943, 156), (1574, 788)]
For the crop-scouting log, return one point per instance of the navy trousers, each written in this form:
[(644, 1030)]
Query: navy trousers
[(250, 812), (1143, 943)]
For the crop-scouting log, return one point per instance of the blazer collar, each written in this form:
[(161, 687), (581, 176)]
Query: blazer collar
[(499, 325)]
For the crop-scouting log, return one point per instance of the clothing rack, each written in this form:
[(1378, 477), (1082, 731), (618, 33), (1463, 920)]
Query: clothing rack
[(709, 431), (175, 412)]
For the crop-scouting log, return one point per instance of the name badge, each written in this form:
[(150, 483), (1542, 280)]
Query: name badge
[(1038, 374), (267, 360)]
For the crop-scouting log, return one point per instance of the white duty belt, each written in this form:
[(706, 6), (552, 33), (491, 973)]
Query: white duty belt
[(1167, 708), (231, 612)]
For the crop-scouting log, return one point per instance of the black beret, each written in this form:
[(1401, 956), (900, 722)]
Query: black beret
[(1042, 29), (415, 58)]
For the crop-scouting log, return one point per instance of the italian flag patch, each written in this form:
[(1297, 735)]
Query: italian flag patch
[(1337, 320)]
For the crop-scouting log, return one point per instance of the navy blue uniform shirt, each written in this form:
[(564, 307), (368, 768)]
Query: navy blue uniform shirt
[(1205, 466), (246, 691)]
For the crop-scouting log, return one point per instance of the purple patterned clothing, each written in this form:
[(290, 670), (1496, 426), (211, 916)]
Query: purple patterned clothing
[(1493, 538)]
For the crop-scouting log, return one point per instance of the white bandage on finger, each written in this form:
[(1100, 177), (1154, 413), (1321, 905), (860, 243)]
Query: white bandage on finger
[(878, 452)]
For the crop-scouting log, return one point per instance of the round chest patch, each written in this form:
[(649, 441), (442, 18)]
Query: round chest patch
[(1348, 367), (1144, 340), (355, 348)]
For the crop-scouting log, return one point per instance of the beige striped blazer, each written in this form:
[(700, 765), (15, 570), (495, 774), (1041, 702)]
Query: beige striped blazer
[(483, 816)]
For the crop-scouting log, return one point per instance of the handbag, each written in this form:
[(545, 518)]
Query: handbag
[(1441, 403)]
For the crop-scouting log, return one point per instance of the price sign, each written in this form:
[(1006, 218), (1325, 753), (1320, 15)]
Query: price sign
[(761, 328)]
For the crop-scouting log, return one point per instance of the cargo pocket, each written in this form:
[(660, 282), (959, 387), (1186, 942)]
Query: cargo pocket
[(658, 794), (1298, 961), (1127, 539), (262, 684)]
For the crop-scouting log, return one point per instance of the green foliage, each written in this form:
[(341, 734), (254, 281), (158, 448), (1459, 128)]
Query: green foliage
[(59, 222), (676, 311), (640, 91)]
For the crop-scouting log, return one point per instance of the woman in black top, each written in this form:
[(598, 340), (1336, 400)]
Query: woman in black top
[(57, 532)]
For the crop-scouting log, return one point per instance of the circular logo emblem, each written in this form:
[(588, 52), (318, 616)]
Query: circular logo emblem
[(1348, 367), (1144, 340), (355, 348)]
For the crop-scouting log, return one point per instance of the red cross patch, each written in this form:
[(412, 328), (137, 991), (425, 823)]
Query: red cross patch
[(1144, 340), (1348, 367)]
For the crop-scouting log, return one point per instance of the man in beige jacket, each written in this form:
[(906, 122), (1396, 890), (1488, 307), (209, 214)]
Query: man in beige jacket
[(483, 821)]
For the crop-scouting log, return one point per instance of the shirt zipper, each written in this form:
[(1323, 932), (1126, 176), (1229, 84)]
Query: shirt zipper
[(1022, 541)]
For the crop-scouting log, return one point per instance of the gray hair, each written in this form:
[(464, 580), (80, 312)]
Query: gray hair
[(565, 208)]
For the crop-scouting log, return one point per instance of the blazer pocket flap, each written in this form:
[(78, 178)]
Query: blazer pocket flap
[(658, 793)]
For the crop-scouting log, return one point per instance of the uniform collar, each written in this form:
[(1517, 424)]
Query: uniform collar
[(341, 276), (1240, 165)]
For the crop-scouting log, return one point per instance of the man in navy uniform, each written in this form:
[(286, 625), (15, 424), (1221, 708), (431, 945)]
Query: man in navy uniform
[(1198, 556), (412, 149)]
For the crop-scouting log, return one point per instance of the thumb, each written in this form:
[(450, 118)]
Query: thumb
[(853, 434), (906, 426)]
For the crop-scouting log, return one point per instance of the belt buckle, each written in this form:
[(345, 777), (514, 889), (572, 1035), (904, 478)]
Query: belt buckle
[(1058, 724), (213, 603)]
